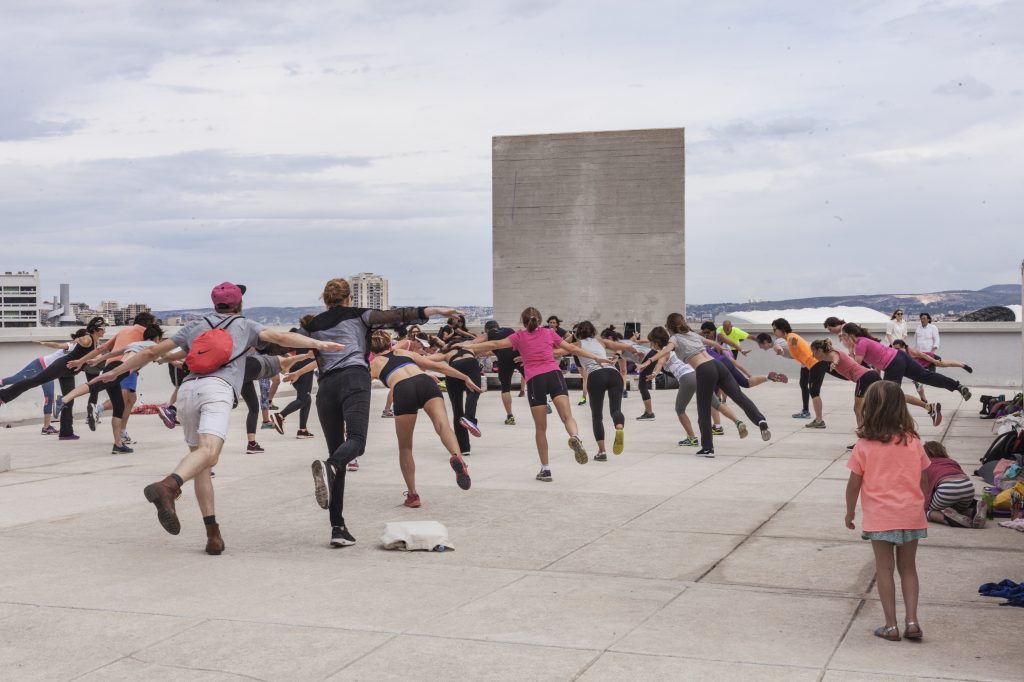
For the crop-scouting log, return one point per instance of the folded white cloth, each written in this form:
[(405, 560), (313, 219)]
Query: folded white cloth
[(413, 535)]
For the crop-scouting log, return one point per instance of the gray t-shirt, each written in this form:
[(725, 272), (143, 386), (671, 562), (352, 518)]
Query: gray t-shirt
[(687, 345), (244, 333), (597, 348)]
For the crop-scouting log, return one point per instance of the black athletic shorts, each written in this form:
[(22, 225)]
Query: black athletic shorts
[(178, 374), (864, 382), (413, 393), (543, 385)]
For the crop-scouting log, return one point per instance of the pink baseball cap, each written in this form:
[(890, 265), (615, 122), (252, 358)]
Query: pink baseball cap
[(228, 294)]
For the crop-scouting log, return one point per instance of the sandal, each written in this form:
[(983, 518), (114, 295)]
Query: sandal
[(916, 633), (889, 632)]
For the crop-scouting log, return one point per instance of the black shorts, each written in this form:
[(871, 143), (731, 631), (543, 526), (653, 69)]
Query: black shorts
[(178, 374), (543, 385), (865, 382), (413, 393)]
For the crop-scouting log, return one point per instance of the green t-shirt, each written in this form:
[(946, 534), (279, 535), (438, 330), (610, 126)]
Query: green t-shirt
[(736, 335)]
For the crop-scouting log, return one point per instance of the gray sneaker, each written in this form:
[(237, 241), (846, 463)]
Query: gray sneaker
[(544, 475), (815, 424)]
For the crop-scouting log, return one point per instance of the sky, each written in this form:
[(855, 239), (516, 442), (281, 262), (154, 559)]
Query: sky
[(149, 150)]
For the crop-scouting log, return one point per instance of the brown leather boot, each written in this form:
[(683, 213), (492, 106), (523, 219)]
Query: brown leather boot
[(162, 494), (214, 542)]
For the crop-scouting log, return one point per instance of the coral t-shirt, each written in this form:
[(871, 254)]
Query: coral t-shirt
[(890, 494), (536, 348)]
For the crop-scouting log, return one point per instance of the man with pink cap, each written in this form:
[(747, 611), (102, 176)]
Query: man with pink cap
[(205, 402)]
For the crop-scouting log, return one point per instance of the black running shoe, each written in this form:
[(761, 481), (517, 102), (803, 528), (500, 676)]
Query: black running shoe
[(340, 537), (765, 433), (964, 391), (90, 416), (705, 452)]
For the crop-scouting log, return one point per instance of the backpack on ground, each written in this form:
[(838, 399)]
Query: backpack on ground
[(211, 350)]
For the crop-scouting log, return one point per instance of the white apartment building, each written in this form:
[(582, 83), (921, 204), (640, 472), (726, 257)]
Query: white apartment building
[(369, 290), (19, 299)]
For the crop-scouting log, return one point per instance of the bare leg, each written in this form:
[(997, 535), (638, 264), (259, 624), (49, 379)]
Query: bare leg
[(884, 580), (275, 383), (756, 381), (540, 424), (439, 417), (389, 401), (906, 564), (817, 405), (858, 411), (198, 459), (404, 425), (130, 398), (727, 411), (648, 406), (565, 414), (506, 401), (687, 426)]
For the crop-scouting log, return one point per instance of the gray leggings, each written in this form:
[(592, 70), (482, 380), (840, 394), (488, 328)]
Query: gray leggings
[(687, 389)]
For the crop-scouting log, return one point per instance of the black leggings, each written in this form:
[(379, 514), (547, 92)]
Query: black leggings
[(113, 389), (599, 382), (252, 405), (67, 384), (711, 376), (303, 399), (463, 400), (645, 392), (57, 368), (343, 405), (810, 382), (904, 366), (506, 368)]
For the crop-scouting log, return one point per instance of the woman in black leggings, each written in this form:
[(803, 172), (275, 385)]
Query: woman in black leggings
[(601, 380), (463, 401), (711, 375), (343, 400)]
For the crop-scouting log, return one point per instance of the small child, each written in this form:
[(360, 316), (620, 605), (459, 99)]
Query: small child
[(887, 471), (950, 497)]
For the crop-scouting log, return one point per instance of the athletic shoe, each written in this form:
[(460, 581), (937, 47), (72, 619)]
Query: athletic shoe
[(168, 415), (549, 408), (48, 431), (118, 449), (778, 377), (303, 434), (99, 411), (387, 414), (850, 447), (126, 439), (646, 417), (717, 431), (90, 416), (163, 494), (765, 433), (353, 465), (956, 519), (601, 457), (272, 406), (968, 369), (544, 475), (620, 442), (58, 405), (278, 421), (690, 440), (742, 428), (935, 412), (625, 394), (802, 415), (461, 471), (442, 385), (470, 426), (917, 385), (340, 537), (323, 480), (706, 452), (412, 500), (980, 515), (268, 425), (253, 448), (71, 437), (583, 401), (577, 448), (964, 391), (815, 424), (510, 421)]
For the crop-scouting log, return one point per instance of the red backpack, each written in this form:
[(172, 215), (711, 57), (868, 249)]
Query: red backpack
[(212, 349)]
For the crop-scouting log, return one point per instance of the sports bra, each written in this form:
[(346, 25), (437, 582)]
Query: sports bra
[(461, 354), (393, 363)]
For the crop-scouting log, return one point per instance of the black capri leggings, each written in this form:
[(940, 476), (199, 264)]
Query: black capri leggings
[(713, 375), (303, 396), (252, 406), (600, 382), (904, 366), (113, 389), (645, 392), (810, 382), (463, 400), (506, 368)]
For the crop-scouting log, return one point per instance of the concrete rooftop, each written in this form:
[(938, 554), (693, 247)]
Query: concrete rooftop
[(653, 565)]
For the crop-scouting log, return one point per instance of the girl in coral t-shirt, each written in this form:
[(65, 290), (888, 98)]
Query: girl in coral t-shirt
[(887, 471)]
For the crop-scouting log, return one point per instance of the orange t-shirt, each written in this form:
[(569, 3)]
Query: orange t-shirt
[(890, 494), (132, 334), (800, 350)]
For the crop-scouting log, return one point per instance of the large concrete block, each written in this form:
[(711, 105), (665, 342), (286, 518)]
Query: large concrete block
[(589, 226)]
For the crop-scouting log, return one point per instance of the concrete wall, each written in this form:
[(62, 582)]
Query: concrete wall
[(589, 226)]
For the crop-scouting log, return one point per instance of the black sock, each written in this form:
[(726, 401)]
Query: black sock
[(177, 479), (210, 520)]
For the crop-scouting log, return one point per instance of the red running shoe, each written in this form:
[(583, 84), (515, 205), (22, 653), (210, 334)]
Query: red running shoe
[(412, 500), (461, 471)]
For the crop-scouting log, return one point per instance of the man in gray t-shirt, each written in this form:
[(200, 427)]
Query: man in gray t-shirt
[(205, 402)]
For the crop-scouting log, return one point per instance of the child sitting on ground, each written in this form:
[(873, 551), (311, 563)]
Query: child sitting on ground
[(887, 471), (950, 497)]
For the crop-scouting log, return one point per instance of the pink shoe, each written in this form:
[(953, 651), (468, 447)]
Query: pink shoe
[(412, 500), (353, 465), (779, 377)]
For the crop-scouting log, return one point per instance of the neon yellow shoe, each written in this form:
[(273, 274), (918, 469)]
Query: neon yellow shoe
[(619, 444)]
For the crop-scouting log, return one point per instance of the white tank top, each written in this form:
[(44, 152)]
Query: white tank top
[(593, 346)]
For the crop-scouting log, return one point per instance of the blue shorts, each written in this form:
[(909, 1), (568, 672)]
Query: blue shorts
[(130, 382)]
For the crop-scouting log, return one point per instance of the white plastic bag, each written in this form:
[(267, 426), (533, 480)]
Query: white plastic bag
[(416, 535)]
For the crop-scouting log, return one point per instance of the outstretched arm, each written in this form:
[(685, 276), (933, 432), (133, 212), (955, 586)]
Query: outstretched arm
[(293, 340), (484, 346), (56, 345), (663, 353), (140, 359), (305, 369), (427, 364), (580, 353)]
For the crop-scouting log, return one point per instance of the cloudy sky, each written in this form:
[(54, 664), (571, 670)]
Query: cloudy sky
[(151, 149)]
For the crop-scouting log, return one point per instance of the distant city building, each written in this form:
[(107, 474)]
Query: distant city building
[(19, 299), (369, 291), (129, 312), (108, 309)]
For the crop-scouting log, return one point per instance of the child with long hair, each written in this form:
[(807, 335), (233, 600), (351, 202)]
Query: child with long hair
[(888, 471)]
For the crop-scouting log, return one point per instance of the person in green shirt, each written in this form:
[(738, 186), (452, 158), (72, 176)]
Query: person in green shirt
[(734, 334)]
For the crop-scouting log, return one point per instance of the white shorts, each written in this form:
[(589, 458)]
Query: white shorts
[(204, 406)]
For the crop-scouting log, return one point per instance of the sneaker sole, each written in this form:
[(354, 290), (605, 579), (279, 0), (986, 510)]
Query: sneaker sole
[(470, 426), (341, 542), (168, 519), (278, 423), (620, 442), (320, 488), (577, 448), (543, 480), (599, 458), (168, 422), (461, 474), (90, 417), (766, 434), (742, 428), (937, 419), (707, 455)]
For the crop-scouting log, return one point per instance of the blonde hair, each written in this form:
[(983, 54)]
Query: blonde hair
[(530, 318), (336, 292)]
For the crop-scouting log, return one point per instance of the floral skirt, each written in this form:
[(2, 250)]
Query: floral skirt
[(896, 537)]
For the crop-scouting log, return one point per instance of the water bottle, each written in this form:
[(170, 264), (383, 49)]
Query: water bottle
[(989, 501)]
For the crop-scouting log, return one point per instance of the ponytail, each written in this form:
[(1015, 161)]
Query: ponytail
[(531, 319), (855, 330)]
